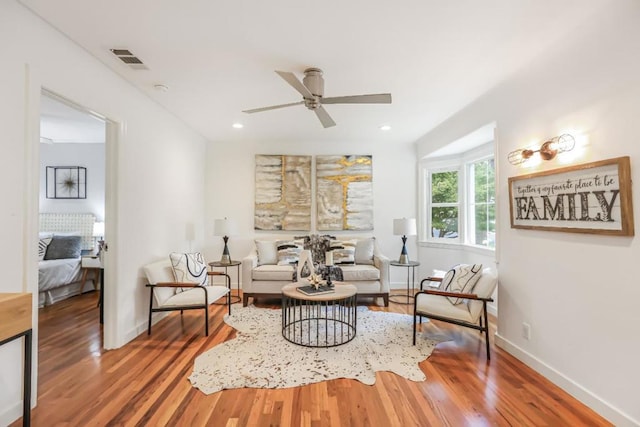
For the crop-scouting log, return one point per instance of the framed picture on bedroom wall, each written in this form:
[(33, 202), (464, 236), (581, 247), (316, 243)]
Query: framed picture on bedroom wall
[(588, 198), (66, 182)]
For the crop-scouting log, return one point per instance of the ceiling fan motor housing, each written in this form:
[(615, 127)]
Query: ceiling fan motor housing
[(313, 81)]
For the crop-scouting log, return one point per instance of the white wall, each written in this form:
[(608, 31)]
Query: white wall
[(90, 156), (577, 291), (159, 184), (231, 189)]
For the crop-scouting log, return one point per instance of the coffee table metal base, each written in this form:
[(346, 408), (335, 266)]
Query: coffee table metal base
[(313, 323)]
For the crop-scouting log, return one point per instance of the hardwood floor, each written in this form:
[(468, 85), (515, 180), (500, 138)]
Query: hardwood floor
[(145, 383)]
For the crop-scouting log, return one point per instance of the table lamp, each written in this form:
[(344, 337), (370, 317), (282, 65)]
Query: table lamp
[(224, 227), (404, 227), (98, 232)]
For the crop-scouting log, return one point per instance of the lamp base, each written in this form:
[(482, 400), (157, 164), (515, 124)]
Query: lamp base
[(404, 255), (226, 258)]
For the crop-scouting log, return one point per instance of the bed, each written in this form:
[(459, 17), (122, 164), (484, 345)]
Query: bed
[(60, 278)]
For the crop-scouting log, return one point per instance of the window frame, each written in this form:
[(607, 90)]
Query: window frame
[(460, 163), (470, 230)]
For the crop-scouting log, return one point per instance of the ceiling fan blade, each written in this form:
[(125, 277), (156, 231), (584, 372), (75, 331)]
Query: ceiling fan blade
[(273, 107), (324, 117), (379, 98), (296, 83)]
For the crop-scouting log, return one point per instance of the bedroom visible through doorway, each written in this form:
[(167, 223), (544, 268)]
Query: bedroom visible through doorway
[(71, 201)]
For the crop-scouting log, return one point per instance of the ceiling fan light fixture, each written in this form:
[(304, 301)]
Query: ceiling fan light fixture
[(312, 90)]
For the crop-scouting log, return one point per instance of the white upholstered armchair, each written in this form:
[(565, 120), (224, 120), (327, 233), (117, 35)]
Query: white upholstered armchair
[(465, 308), (167, 294)]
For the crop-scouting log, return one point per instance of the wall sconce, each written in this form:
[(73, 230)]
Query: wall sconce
[(547, 151)]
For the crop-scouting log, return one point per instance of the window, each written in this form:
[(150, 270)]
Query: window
[(460, 198), (482, 201), (444, 204)]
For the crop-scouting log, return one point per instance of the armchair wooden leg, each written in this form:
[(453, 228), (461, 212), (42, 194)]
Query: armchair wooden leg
[(385, 299), (245, 299)]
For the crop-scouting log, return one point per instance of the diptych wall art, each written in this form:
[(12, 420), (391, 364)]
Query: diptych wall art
[(344, 193), (283, 193)]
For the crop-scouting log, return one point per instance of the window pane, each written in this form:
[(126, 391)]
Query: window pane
[(484, 181), (444, 187), (444, 222), (485, 222)]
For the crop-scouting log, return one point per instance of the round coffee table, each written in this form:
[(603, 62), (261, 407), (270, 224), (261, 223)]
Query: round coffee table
[(325, 320)]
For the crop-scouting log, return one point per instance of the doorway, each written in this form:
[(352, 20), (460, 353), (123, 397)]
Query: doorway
[(73, 198)]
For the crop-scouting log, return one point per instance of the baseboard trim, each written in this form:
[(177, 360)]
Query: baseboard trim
[(605, 409), (11, 414)]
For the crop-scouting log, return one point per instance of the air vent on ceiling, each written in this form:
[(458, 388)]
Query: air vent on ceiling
[(129, 58)]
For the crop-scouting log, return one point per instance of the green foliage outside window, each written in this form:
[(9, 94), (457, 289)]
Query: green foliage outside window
[(444, 191)]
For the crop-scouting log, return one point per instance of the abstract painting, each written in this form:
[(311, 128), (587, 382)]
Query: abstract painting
[(344, 192), (283, 193)]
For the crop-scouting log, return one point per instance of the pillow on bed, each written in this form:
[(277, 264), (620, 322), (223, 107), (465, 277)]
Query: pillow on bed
[(43, 244), (62, 247)]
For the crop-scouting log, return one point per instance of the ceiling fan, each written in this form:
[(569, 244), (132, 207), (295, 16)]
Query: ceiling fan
[(312, 90)]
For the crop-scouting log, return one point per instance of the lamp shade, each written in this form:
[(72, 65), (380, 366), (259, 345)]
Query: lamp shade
[(224, 227), (404, 227), (98, 229)]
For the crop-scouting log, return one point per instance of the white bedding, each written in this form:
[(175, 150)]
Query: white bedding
[(58, 272)]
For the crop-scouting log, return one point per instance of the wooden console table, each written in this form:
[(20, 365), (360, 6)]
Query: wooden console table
[(15, 322)]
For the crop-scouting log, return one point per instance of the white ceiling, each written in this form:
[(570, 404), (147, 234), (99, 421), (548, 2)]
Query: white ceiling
[(218, 57), (61, 123)]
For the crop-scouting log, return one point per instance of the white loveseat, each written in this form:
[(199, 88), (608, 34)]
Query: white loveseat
[(265, 270)]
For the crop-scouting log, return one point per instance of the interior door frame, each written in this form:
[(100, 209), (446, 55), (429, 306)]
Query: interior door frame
[(113, 131)]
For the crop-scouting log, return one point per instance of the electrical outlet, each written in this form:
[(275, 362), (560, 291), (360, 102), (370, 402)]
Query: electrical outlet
[(526, 331)]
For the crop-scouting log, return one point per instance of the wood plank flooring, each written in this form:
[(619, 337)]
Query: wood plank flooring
[(145, 382)]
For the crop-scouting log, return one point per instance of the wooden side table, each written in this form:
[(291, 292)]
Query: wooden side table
[(90, 263), (15, 322), (219, 264)]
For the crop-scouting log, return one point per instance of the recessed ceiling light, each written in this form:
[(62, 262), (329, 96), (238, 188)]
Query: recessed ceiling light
[(237, 125), (385, 127)]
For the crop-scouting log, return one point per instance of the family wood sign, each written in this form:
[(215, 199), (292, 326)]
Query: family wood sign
[(588, 198)]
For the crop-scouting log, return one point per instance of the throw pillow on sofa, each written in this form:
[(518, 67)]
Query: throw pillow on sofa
[(267, 252), (344, 251), (188, 268), (364, 251), (462, 278), (289, 251)]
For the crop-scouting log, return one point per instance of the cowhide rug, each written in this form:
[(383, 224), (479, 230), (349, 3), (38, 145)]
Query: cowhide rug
[(260, 357)]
